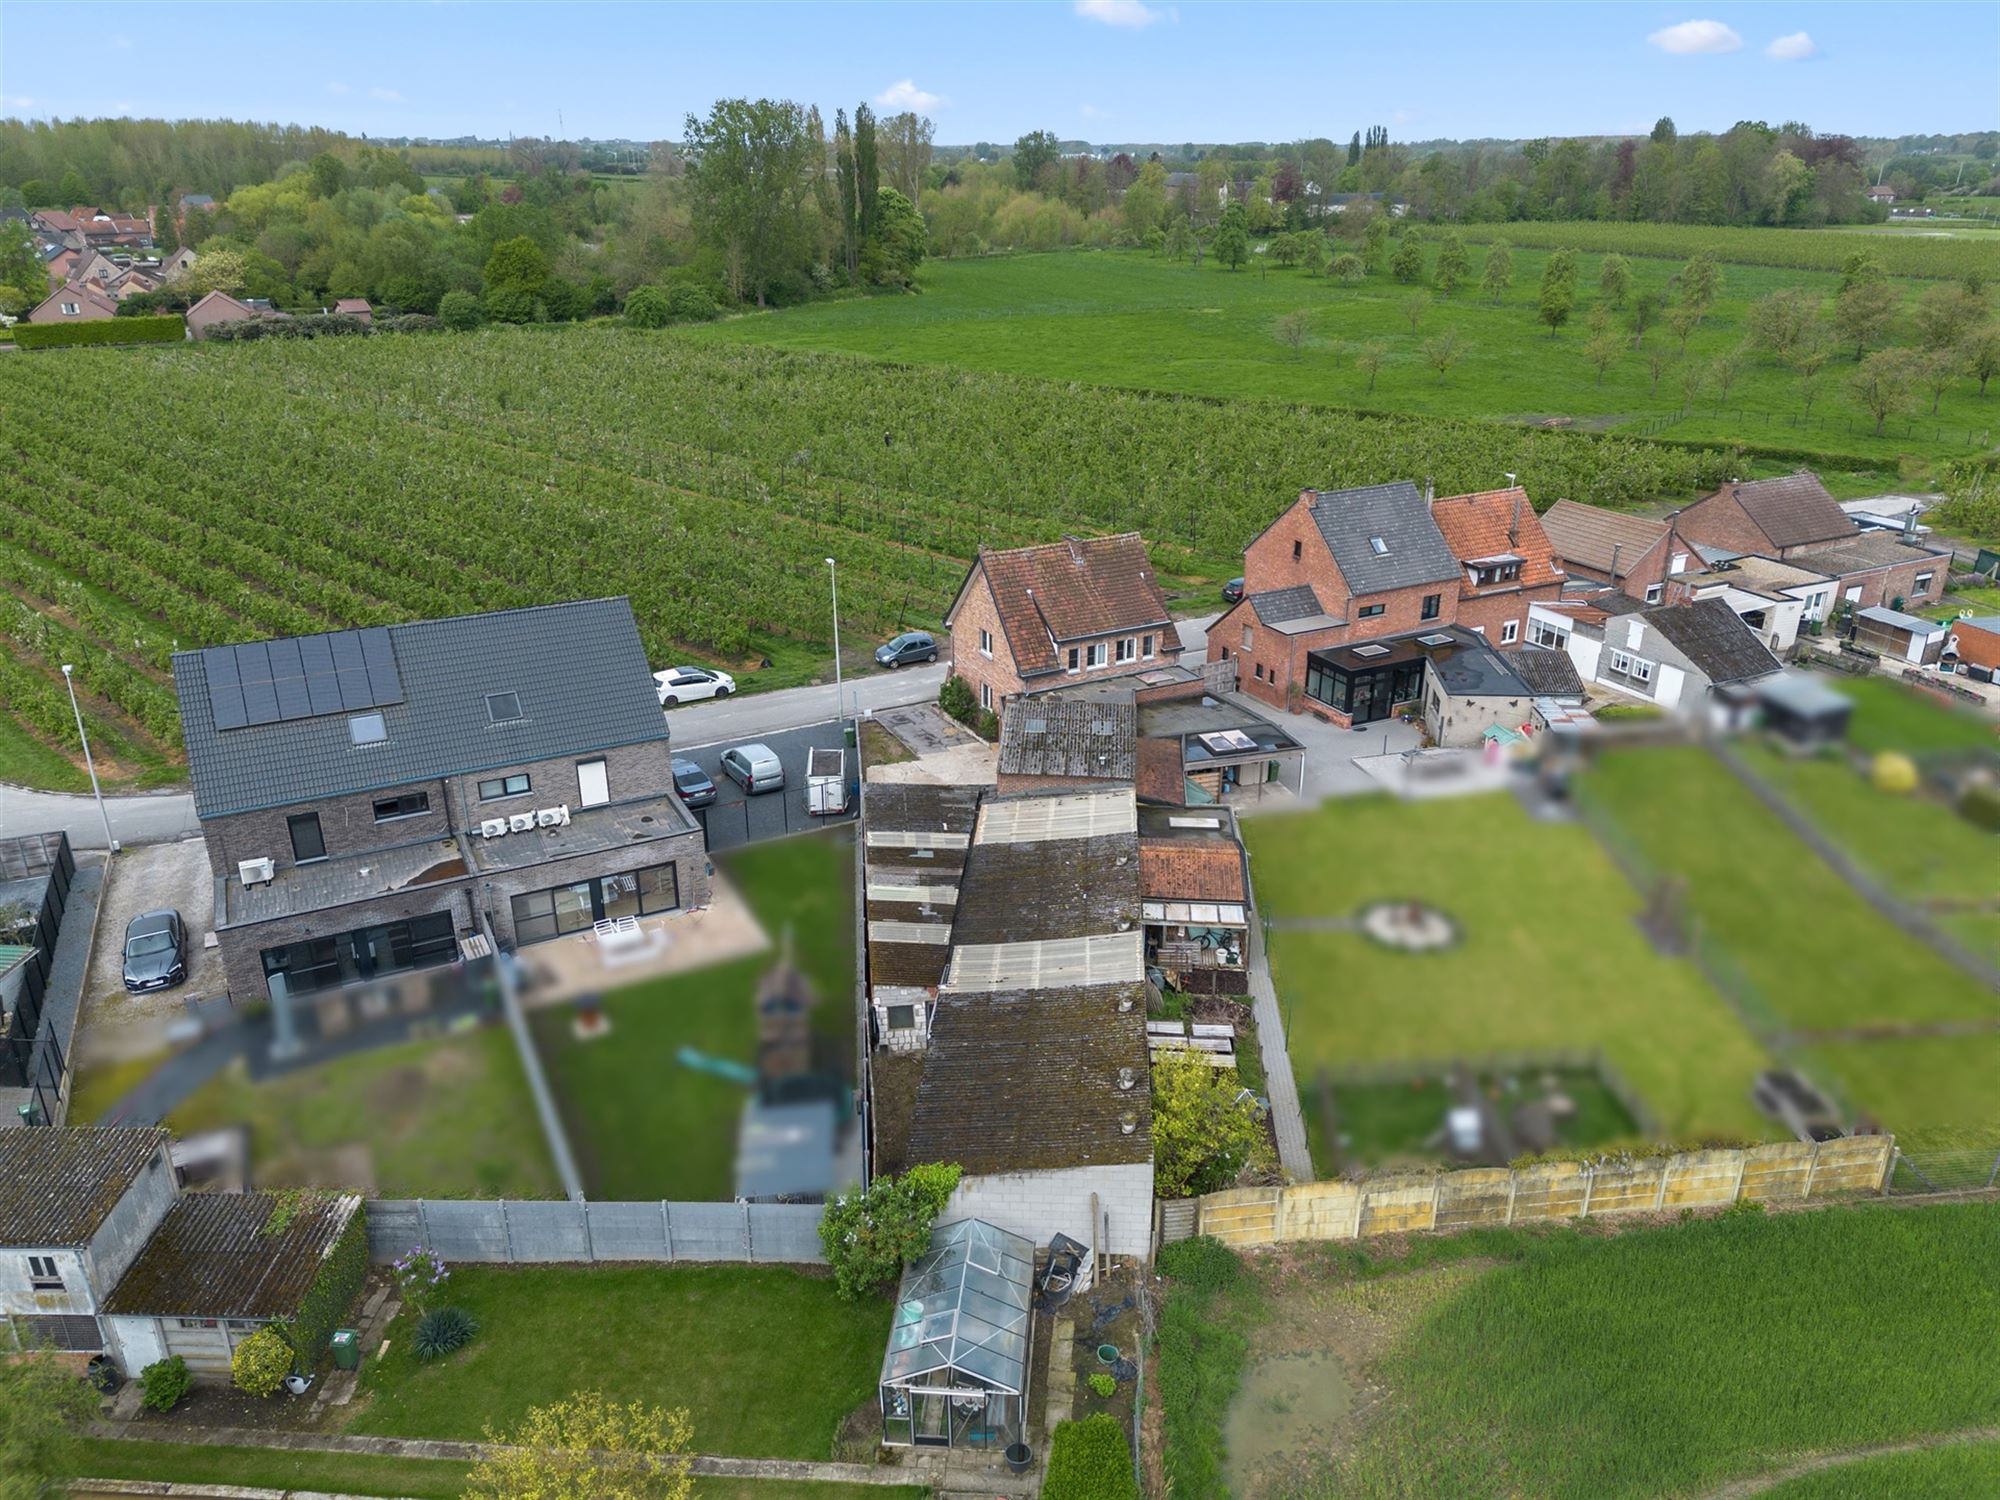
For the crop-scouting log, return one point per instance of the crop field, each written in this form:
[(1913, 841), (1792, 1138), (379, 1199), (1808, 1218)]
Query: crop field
[(1133, 319), (1901, 251), (278, 488)]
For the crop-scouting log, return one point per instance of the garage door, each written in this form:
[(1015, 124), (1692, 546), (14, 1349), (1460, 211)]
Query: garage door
[(202, 1342)]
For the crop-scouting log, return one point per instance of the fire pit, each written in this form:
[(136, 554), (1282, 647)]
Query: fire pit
[(1409, 926)]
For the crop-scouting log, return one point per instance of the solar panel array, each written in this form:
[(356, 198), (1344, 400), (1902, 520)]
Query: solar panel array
[(301, 677)]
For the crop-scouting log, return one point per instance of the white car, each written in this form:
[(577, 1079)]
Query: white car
[(691, 685)]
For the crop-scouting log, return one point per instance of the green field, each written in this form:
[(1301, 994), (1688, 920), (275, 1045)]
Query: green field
[(1133, 319), (1814, 956), (1550, 959), (644, 1127), (767, 1360), (1889, 716), (1966, 1471)]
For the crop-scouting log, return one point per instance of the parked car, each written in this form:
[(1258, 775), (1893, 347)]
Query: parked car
[(155, 951), (909, 647), (692, 782), (755, 768), (1232, 591), (691, 685)]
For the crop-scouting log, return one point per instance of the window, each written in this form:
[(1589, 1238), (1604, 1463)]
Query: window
[(541, 915), (1072, 658), (1146, 647), (1259, 669), (1379, 545), (1097, 655), (1128, 650), (1371, 611), (1635, 667), (1653, 593), (986, 643), (1249, 640), (502, 708), (1433, 606), (1510, 632), (1298, 550), (1924, 582), (985, 695), (308, 843), (367, 729), (504, 786), (72, 309), (593, 783), (1542, 633), (43, 1275), (314, 964), (902, 1018), (408, 805)]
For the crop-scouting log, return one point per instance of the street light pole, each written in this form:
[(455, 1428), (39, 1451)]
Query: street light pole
[(69, 681), (839, 694)]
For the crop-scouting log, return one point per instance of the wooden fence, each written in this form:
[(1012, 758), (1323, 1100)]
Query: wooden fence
[(1493, 1196)]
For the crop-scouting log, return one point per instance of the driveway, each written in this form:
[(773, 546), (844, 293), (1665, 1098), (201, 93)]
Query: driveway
[(734, 818), (117, 1025)]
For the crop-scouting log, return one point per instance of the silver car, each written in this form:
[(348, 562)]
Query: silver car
[(755, 768)]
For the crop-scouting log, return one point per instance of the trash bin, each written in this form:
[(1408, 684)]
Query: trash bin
[(347, 1348)]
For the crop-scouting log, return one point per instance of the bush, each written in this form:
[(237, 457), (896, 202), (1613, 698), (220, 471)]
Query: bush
[(1203, 1134), (261, 1362), (442, 1331), (956, 698), (164, 1382), (419, 1273), (647, 308), (460, 311), (870, 1236), (1202, 1264), (1980, 806), (1090, 1460), (155, 330), (515, 305), (1104, 1383), (409, 323), (691, 304)]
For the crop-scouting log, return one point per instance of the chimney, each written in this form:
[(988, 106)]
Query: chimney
[(1616, 548), (1311, 498), (1075, 550), (1429, 493), (1514, 523), (1910, 525)]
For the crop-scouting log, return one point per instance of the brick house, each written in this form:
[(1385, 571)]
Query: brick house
[(1036, 618), (1975, 643), (1633, 553), (1672, 655), (217, 307), (374, 799), (75, 302), (1508, 560)]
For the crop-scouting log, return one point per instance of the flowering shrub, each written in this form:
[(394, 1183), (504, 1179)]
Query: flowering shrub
[(261, 1362), (420, 1275)]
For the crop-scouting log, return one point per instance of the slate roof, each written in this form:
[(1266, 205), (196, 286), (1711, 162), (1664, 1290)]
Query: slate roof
[(1709, 634), (1548, 674), (1076, 589), (211, 1257), (1860, 552), (579, 669), (1070, 737), (57, 1185), (1277, 606), (1587, 534), (1793, 510), (1494, 523), (1174, 869), (1416, 551), (1021, 1080)]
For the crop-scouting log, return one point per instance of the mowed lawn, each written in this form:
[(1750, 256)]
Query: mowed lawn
[(1134, 319), (767, 1360), (1665, 1361), (1968, 1471), (644, 1126), (1551, 957), (1889, 716), (1818, 955)]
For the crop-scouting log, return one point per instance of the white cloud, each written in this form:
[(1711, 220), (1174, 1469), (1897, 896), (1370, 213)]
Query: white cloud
[(1693, 37), (21, 101), (122, 107), (336, 88), (904, 94), (387, 96), (1794, 48), (1132, 13)]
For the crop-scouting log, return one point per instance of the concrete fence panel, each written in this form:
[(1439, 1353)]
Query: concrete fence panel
[(542, 1231), (1395, 1204), (467, 1231), (1550, 1190), (1855, 1164), (1321, 1211), (1242, 1216), (1631, 1188), (549, 1232), (785, 1232), (1479, 1195), (1703, 1179), (1777, 1174)]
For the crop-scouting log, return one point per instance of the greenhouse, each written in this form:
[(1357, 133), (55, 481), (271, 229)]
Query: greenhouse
[(956, 1371)]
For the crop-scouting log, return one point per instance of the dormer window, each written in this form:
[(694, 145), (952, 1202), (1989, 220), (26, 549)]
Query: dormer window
[(502, 708), (1380, 546)]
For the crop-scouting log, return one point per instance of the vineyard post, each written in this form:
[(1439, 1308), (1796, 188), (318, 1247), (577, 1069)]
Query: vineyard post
[(69, 681), (839, 698)]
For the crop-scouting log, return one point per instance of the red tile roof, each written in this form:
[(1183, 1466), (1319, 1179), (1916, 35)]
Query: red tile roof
[(1075, 589), (1591, 536), (1191, 870), (1495, 523), (1792, 510), (1162, 772)]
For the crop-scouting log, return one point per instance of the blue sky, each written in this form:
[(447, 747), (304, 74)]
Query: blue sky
[(1102, 70)]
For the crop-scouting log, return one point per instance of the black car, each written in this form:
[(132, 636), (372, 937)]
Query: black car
[(692, 782), (909, 647), (155, 951), (1232, 591)]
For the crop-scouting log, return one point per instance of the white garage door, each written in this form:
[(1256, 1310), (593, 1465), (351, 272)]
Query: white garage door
[(206, 1343)]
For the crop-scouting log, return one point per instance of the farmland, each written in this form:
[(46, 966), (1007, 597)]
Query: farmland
[(364, 481), (1899, 252), (1134, 319)]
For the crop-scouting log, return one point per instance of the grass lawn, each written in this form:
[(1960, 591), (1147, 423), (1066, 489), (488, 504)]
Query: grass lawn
[(642, 1125), (1916, 846), (94, 1089), (1663, 1361), (767, 1360), (1134, 319), (1389, 1123), (1550, 957), (1930, 1090), (1981, 601), (1816, 952), (449, 1118), (1967, 1470), (1889, 716)]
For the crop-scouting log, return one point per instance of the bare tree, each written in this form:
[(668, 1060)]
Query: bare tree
[(1724, 371), (1370, 357), (1443, 350), (1293, 328), (1414, 309)]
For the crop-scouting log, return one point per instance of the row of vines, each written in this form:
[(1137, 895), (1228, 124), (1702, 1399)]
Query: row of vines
[(286, 487), (1898, 253)]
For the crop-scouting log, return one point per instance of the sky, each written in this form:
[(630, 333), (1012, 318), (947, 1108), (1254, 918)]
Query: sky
[(1098, 70)]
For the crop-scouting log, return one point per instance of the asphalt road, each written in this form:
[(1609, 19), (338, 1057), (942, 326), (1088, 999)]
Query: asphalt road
[(734, 818)]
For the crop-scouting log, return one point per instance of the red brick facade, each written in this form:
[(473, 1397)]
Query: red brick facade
[(1977, 645), (989, 672)]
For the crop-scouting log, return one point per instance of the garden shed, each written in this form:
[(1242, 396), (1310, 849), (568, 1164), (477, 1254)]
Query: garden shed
[(955, 1374)]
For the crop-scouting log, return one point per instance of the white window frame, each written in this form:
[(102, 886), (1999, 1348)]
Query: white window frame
[(1510, 632), (986, 644), (1625, 664), (1128, 650), (1924, 581), (593, 782), (1547, 636), (44, 1275), (1096, 655), (986, 695), (72, 309), (1653, 592), (1146, 646)]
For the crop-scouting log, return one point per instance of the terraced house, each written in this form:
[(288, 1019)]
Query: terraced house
[(395, 799)]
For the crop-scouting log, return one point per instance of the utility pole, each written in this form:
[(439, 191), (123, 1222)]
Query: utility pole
[(839, 694), (69, 681)]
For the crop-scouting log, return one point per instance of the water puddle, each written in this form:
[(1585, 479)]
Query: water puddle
[(1288, 1404)]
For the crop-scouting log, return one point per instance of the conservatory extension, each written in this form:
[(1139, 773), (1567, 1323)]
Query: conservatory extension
[(956, 1371)]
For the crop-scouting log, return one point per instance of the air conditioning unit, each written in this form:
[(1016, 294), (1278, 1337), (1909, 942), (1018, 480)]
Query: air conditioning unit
[(492, 828), (552, 817), (521, 822), (257, 871)]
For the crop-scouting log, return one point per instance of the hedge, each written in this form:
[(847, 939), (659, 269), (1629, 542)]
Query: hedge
[(1090, 1460), (164, 329), (332, 1293)]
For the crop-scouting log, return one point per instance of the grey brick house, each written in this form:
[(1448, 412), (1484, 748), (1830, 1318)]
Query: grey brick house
[(370, 797)]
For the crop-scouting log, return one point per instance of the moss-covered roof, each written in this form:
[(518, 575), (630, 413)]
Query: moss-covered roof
[(215, 1256), (58, 1185)]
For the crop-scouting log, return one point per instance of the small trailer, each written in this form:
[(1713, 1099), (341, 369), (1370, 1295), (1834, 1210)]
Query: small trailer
[(826, 782)]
